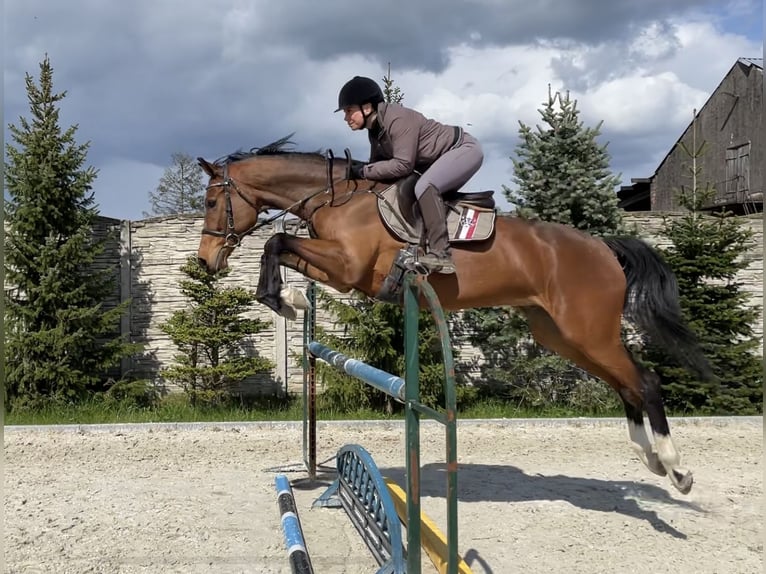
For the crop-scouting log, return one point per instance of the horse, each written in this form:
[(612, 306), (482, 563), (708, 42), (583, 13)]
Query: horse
[(572, 287)]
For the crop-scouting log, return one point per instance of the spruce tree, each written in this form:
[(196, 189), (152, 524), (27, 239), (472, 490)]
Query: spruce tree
[(706, 253), (61, 341), (391, 92), (211, 337), (563, 176), (181, 188), (563, 172)]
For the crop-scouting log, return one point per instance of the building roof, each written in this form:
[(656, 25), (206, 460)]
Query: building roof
[(757, 62)]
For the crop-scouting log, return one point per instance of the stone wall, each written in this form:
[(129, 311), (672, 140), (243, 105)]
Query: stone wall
[(751, 277), (158, 248), (153, 251)]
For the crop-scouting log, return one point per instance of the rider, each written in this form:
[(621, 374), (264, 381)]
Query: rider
[(402, 141)]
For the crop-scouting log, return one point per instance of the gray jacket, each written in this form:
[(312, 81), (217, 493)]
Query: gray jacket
[(403, 140)]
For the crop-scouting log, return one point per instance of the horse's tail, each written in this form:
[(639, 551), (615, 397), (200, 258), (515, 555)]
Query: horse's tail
[(651, 301)]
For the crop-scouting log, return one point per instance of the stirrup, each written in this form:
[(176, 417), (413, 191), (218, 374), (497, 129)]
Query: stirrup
[(437, 264)]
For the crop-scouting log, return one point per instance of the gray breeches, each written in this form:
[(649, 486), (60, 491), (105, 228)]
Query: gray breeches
[(454, 168)]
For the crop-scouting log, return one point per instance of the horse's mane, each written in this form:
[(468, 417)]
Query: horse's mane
[(278, 147)]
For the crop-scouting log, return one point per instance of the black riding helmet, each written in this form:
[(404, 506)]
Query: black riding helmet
[(359, 91)]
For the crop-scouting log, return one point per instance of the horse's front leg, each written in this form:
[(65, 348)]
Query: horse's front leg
[(296, 263), (319, 259)]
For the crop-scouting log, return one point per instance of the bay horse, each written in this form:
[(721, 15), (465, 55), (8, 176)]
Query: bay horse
[(572, 287)]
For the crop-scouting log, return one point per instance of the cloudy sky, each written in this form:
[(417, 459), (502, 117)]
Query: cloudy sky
[(149, 78)]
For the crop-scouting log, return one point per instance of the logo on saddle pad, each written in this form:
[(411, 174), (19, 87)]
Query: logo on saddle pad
[(470, 216)]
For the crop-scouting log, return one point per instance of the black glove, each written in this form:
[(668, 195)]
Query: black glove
[(356, 171)]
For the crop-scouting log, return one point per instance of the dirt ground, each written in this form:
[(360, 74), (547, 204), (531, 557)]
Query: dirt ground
[(534, 497)]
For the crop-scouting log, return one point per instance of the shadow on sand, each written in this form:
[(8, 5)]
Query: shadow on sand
[(503, 483)]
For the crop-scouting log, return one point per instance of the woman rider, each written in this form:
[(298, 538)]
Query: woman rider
[(403, 140)]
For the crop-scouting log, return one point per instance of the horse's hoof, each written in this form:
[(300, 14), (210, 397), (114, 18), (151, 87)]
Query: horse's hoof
[(683, 482), (271, 302), (289, 313), (650, 460), (653, 463), (276, 305), (294, 298)]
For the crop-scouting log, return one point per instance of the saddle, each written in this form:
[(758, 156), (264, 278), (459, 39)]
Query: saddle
[(470, 215)]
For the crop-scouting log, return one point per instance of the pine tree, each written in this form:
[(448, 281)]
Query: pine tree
[(181, 188), (563, 172), (60, 339), (391, 92), (211, 335), (706, 254), (563, 176)]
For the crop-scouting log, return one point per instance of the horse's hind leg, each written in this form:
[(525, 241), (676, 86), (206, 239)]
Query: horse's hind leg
[(622, 373), (666, 451), (547, 333), (640, 440), (639, 389)]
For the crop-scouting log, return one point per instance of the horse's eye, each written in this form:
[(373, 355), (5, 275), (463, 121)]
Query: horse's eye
[(211, 203)]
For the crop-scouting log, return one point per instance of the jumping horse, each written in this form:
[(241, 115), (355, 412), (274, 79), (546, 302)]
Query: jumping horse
[(573, 288)]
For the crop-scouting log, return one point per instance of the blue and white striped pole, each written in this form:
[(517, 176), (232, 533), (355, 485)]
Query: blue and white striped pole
[(381, 380), (297, 552)]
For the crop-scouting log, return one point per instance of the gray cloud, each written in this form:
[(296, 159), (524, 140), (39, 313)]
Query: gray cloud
[(621, 56), (417, 35), (149, 78)]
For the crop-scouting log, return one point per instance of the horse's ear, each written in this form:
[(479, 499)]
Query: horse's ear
[(206, 166)]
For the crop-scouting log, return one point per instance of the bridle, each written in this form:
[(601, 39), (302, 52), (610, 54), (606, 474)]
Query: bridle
[(233, 239)]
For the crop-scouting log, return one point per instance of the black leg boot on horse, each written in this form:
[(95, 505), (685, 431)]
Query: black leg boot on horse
[(438, 259)]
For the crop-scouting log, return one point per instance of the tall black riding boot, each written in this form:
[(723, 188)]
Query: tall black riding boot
[(439, 258)]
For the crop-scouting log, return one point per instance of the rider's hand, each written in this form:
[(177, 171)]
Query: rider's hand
[(357, 170)]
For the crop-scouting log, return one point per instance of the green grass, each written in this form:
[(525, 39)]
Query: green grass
[(497, 409), (177, 409), (170, 410)]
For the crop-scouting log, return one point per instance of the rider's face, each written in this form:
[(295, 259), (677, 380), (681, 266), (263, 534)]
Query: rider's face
[(354, 117)]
